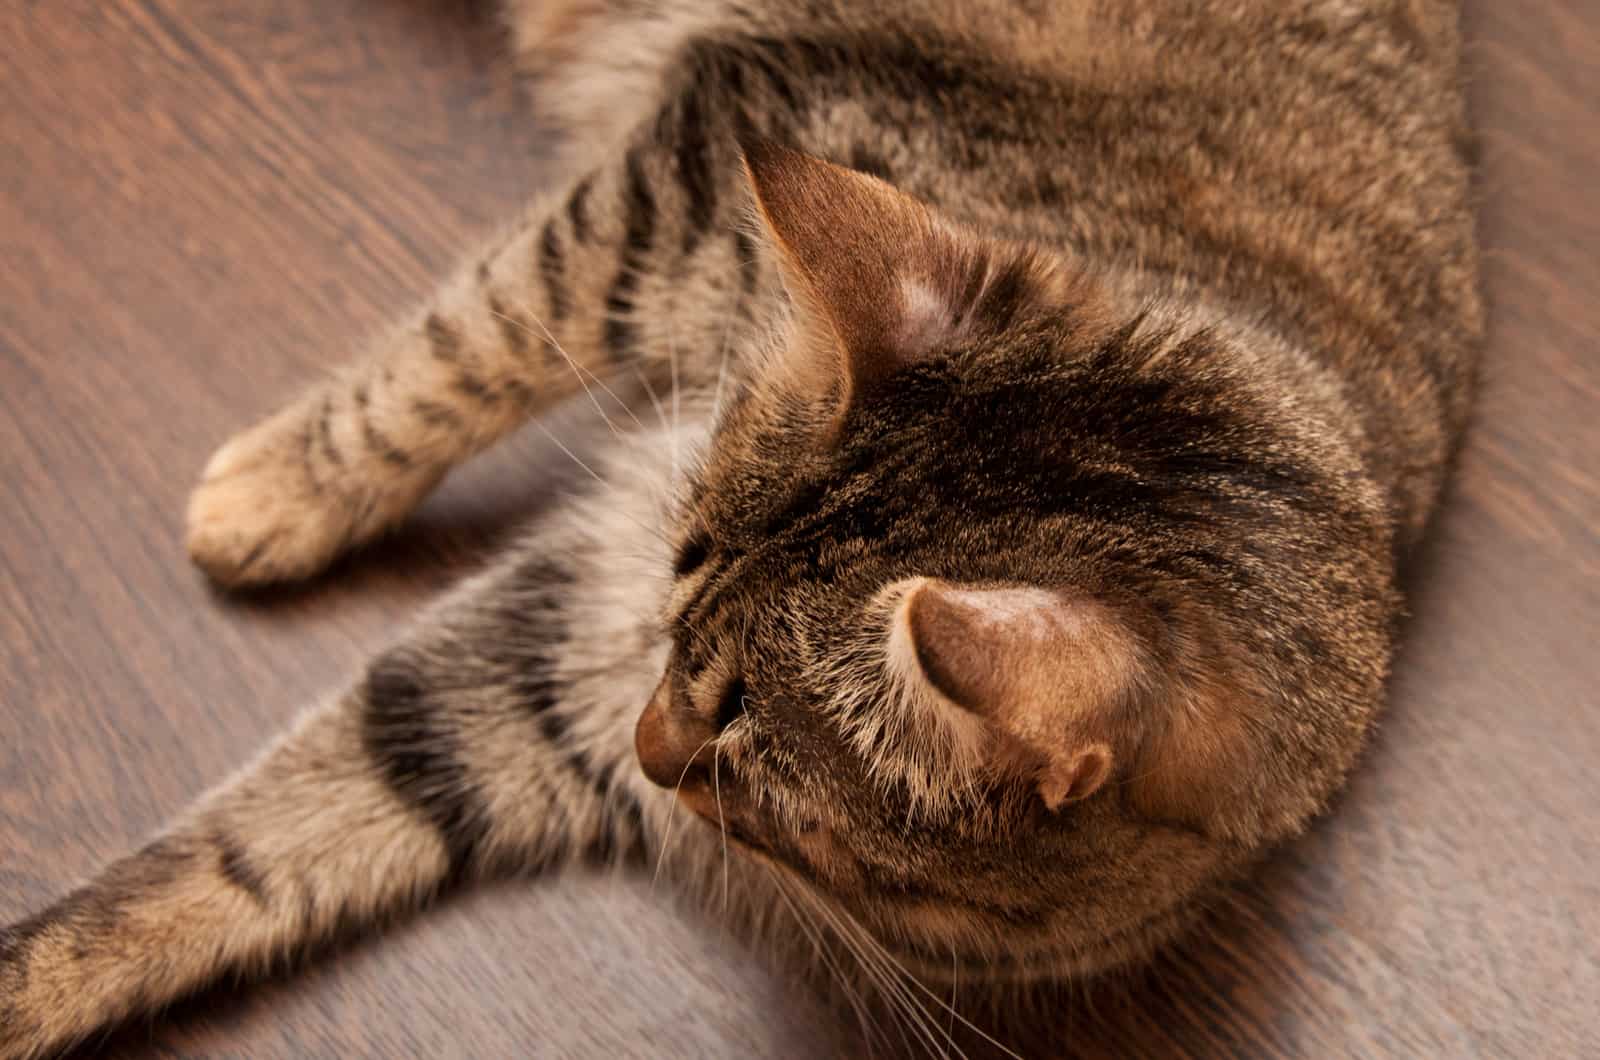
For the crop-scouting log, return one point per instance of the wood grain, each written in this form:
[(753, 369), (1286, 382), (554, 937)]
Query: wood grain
[(205, 202)]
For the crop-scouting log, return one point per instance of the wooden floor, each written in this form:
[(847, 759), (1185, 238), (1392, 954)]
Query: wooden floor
[(203, 202)]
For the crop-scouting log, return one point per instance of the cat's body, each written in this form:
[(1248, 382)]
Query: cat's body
[(1020, 570)]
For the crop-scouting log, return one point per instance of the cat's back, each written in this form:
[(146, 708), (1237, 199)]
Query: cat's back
[(1304, 162)]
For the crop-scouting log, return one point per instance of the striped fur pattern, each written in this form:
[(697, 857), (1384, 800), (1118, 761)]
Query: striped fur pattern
[(1059, 388)]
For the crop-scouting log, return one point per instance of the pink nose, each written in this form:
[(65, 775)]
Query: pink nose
[(673, 741)]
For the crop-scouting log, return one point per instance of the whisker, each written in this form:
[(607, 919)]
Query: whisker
[(722, 822), (920, 985), (548, 433), (898, 974), (699, 637), (866, 938), (672, 814), (906, 1006), (577, 371), (955, 980), (869, 1026), (661, 413), (874, 976), (653, 531)]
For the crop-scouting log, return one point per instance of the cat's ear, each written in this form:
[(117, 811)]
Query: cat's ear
[(879, 278), (1048, 671)]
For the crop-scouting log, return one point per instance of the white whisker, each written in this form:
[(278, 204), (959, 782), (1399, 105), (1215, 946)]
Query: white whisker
[(911, 1011), (661, 413), (578, 369), (841, 918), (652, 531), (869, 1026), (722, 822), (672, 814), (920, 985)]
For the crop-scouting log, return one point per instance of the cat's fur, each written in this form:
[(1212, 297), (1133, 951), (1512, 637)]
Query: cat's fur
[(1020, 547)]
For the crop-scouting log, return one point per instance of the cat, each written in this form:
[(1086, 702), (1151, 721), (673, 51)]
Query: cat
[(1055, 392)]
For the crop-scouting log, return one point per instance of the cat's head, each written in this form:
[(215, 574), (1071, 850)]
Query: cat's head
[(1008, 616)]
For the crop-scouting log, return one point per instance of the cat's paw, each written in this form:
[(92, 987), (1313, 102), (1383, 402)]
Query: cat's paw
[(260, 513), (273, 506)]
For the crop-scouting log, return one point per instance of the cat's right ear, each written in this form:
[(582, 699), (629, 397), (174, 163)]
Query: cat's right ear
[(1044, 673), (1051, 681), (878, 279)]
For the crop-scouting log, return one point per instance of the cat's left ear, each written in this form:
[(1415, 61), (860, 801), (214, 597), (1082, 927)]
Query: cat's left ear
[(881, 280), (1046, 671)]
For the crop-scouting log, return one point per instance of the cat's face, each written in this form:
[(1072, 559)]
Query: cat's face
[(938, 649)]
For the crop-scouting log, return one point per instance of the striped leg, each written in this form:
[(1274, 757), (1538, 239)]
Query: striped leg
[(642, 269), (354, 455), (460, 753)]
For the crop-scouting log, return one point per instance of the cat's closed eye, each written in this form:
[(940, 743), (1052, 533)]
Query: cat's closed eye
[(731, 707), (691, 555)]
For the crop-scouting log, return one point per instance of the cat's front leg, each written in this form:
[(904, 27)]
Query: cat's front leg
[(355, 453), (495, 739), (640, 272)]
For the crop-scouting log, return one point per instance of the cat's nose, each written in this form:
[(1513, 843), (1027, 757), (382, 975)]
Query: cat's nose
[(673, 741)]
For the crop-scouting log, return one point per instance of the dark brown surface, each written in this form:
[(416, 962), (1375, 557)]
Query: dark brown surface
[(204, 202)]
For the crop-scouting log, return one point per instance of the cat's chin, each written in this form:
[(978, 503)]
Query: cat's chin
[(1075, 955), (934, 943)]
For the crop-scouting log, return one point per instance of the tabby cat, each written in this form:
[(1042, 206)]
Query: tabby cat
[(1031, 405)]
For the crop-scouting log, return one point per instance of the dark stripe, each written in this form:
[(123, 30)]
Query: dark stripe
[(469, 385), (552, 270), (529, 615), (518, 392), (1007, 292), (436, 415), (382, 446), (512, 329), (770, 60), (258, 550), (621, 334), (407, 733), (625, 813), (578, 210), (1020, 914), (308, 443), (325, 432), (444, 340), (694, 170), (695, 550), (310, 916), (235, 866), (622, 833)]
